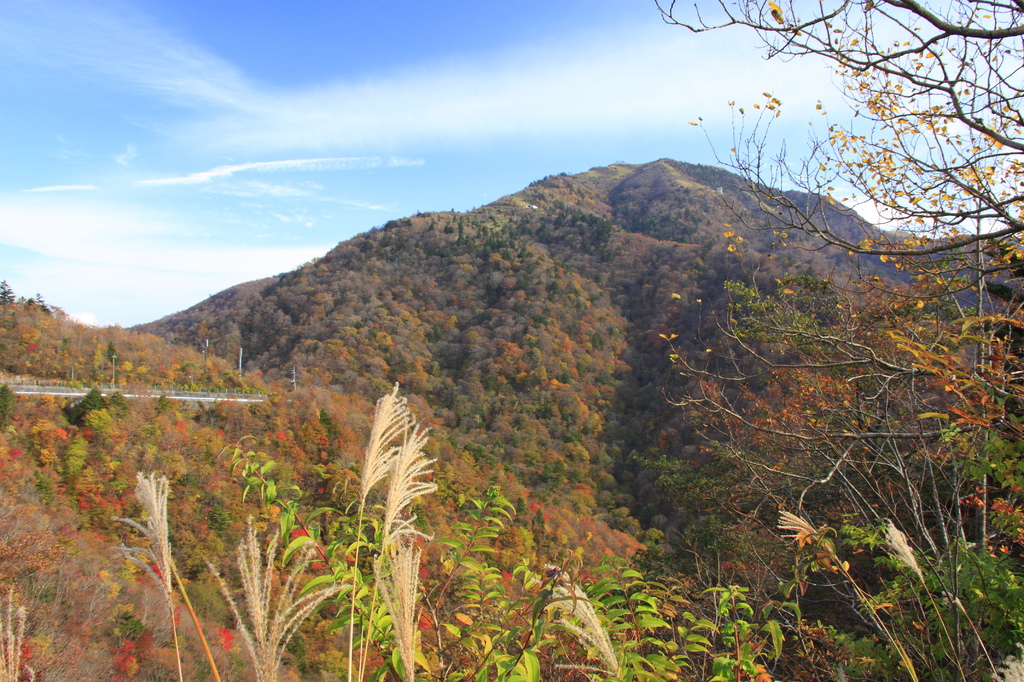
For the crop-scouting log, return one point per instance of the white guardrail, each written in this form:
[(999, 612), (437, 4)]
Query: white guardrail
[(42, 388)]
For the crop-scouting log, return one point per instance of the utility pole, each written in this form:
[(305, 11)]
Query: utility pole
[(113, 371), (239, 361)]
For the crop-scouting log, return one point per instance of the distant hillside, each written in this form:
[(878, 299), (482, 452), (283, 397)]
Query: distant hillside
[(531, 327), (39, 341), (189, 327)]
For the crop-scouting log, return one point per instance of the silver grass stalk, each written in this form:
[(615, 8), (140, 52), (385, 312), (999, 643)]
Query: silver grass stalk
[(12, 630), (271, 624), (573, 603), (399, 588), (151, 491), (391, 420), (900, 548), (403, 462), (406, 485), (797, 525)]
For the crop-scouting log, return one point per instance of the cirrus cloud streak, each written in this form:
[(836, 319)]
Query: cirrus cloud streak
[(62, 188), (322, 164)]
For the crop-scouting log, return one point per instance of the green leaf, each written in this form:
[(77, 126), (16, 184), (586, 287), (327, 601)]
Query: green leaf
[(294, 546), (396, 661), (319, 511), (422, 660), (776, 633), (651, 622), (531, 665), (316, 582)]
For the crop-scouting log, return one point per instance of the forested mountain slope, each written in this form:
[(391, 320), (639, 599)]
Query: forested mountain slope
[(69, 468), (533, 327), (529, 334)]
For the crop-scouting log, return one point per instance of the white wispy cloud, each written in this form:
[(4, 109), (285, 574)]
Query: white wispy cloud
[(255, 188), (126, 157), (131, 293), (292, 219), (361, 204), (636, 81), (86, 318), (61, 188), (621, 81), (323, 164), (122, 47)]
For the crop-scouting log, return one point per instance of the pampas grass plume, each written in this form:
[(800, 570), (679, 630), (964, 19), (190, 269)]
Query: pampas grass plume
[(572, 601), (1011, 669), (271, 624), (900, 548), (152, 491), (391, 420), (406, 485)]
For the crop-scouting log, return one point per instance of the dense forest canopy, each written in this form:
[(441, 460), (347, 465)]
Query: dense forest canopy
[(533, 327)]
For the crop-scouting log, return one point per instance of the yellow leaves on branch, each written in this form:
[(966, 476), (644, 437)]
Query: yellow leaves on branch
[(735, 238)]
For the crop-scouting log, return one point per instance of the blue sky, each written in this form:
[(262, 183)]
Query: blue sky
[(155, 152)]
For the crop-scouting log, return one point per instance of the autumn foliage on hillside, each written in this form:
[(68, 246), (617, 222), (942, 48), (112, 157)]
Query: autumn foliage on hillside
[(40, 341), (533, 328), (68, 482)]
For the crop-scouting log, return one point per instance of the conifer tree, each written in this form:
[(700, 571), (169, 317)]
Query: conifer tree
[(93, 400), (7, 399)]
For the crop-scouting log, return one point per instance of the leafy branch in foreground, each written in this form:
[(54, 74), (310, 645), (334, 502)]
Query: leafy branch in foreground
[(936, 144), (935, 616)]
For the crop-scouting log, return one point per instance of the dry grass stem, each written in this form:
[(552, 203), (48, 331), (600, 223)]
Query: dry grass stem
[(579, 617), (13, 634), (392, 420), (399, 588), (271, 623), (152, 492), (806, 534)]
